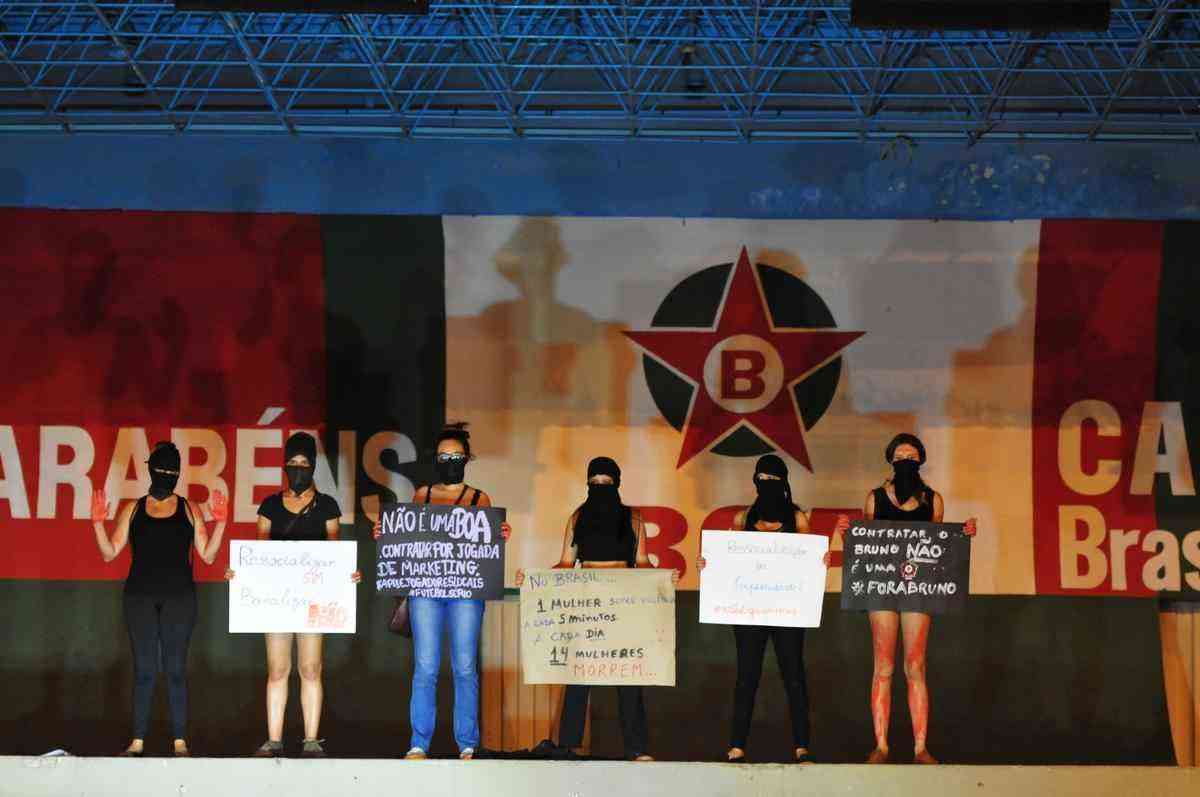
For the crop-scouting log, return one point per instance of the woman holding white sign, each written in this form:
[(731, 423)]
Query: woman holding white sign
[(297, 513), (905, 497), (161, 529), (772, 511), (604, 532), (461, 617)]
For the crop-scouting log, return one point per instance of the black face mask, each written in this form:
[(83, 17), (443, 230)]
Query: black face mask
[(451, 472), (773, 503), (603, 496), (907, 481), (300, 477), (162, 484)]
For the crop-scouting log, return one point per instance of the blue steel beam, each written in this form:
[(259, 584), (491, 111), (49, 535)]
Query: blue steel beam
[(33, 91), (259, 78), (1148, 40), (727, 70), (119, 43)]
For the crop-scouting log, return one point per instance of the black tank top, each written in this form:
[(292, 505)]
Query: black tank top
[(617, 545), (752, 521), (161, 548), (886, 510), (457, 501)]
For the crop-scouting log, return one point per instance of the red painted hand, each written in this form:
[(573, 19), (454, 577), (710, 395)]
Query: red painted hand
[(970, 528), (218, 506), (99, 507), (505, 530), (842, 526)]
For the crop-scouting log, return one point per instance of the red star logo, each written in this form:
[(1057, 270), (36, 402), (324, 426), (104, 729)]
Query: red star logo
[(744, 369)]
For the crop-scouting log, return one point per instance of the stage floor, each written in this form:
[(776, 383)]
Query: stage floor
[(227, 777)]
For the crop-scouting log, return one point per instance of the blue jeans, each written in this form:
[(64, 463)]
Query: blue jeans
[(464, 619)]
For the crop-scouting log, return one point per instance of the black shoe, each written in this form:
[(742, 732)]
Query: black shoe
[(269, 749)]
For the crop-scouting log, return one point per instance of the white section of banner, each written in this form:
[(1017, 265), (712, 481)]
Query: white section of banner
[(538, 363), (302, 587), (762, 578)]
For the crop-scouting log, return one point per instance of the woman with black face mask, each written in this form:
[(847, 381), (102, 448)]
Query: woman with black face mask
[(903, 496), (161, 528), (297, 513), (772, 511), (603, 532), (461, 618)]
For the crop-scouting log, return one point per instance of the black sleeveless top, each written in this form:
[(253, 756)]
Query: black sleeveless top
[(886, 510), (457, 501), (161, 548), (752, 518), (602, 545)]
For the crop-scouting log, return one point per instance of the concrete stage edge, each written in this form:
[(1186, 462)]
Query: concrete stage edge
[(226, 777)]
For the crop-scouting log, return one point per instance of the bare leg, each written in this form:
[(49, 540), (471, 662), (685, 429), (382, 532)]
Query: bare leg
[(915, 628), (311, 691), (884, 627), (279, 669)]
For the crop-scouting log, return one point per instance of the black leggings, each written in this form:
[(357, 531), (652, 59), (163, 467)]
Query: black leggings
[(789, 653), (632, 708), (160, 627)]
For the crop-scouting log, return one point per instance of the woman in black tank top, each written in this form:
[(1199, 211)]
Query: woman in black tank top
[(772, 511), (904, 496), (603, 532), (161, 529)]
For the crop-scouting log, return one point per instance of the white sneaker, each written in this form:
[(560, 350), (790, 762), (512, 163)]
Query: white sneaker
[(467, 754), (415, 754)]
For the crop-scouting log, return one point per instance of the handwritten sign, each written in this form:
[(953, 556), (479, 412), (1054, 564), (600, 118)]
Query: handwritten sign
[(441, 551), (598, 626), (759, 578), (292, 586), (907, 567)]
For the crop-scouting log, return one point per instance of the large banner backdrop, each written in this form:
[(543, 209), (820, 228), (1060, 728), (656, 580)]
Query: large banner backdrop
[(1047, 367)]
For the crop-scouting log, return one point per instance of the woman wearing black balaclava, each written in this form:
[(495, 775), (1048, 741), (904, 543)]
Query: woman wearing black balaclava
[(603, 532), (297, 513), (906, 497), (772, 511), (161, 529)]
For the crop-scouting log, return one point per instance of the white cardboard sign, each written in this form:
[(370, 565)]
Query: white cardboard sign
[(762, 578), (290, 586)]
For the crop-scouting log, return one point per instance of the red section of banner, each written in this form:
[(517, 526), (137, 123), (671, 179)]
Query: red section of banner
[(151, 322), (1095, 368)]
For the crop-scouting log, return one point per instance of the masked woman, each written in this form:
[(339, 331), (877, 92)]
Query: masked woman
[(772, 511), (903, 497), (299, 513), (462, 618), (161, 529), (603, 532)]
